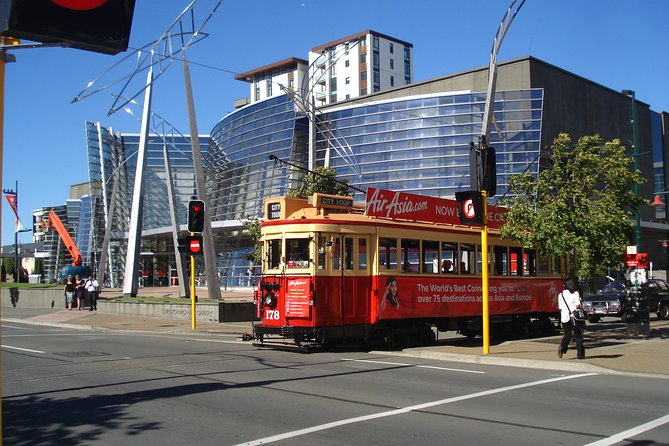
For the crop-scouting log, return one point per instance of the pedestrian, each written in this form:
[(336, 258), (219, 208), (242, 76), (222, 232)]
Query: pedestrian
[(569, 300), (69, 293), (92, 288), (79, 291)]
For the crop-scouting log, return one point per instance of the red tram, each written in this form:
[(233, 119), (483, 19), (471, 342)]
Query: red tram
[(392, 271)]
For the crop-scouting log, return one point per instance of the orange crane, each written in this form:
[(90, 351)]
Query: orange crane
[(54, 222)]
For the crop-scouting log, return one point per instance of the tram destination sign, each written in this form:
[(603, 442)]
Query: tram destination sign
[(333, 201), (401, 205)]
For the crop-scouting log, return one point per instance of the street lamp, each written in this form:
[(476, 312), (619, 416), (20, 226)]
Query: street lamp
[(635, 154)]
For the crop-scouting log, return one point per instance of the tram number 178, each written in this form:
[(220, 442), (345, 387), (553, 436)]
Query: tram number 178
[(272, 315)]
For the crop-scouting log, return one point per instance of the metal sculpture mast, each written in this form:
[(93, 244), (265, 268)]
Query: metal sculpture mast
[(180, 35)]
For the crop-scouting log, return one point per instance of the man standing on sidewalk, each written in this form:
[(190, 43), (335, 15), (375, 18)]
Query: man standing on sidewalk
[(92, 287)]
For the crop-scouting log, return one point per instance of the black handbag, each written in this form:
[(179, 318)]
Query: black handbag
[(578, 315)]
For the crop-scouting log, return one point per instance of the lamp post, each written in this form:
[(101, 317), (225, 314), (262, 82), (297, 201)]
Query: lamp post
[(635, 154)]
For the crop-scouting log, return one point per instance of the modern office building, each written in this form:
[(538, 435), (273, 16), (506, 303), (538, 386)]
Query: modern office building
[(406, 136)]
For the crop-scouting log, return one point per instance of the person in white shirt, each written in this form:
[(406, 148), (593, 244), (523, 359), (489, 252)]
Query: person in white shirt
[(569, 300), (92, 286)]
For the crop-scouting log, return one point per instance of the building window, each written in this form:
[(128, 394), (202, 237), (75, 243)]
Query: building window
[(363, 75), (363, 91), (363, 58), (407, 53), (346, 63), (257, 91), (392, 64), (392, 81), (348, 96), (348, 80), (375, 43), (391, 48), (269, 88)]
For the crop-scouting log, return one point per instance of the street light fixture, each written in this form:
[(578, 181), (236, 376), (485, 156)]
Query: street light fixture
[(635, 154)]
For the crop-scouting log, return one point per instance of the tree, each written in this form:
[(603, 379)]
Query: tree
[(581, 203), (252, 226), (323, 180)]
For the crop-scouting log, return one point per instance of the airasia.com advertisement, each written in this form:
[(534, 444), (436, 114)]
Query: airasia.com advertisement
[(390, 204), (297, 298), (424, 297)]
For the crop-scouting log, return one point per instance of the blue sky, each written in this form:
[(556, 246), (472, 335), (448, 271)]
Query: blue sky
[(618, 43)]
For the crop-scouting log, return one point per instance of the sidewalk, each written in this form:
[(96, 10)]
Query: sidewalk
[(609, 348)]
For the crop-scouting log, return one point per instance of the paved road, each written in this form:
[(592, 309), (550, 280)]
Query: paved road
[(80, 387)]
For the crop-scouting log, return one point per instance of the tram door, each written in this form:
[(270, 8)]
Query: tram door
[(352, 282)]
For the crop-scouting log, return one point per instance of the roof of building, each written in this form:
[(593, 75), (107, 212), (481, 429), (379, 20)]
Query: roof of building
[(285, 63), (325, 46)]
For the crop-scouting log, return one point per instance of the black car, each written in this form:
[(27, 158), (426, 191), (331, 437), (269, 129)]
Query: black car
[(658, 297), (607, 301)]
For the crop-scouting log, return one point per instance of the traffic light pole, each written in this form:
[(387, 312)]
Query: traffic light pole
[(484, 275), (193, 317)]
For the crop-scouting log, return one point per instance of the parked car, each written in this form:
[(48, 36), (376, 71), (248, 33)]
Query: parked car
[(607, 301), (658, 297)]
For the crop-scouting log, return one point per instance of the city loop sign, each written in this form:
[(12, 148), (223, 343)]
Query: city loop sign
[(405, 206)]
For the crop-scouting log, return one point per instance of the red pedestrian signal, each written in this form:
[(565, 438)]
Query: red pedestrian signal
[(470, 207), (194, 245), (196, 216)]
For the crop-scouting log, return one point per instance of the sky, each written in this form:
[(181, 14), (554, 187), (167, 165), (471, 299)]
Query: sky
[(620, 44)]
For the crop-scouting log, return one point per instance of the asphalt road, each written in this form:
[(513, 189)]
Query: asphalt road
[(64, 386)]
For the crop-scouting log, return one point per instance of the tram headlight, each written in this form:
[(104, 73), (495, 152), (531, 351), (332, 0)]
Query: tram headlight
[(270, 300)]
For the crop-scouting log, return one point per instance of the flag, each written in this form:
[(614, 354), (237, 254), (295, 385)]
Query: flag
[(11, 199)]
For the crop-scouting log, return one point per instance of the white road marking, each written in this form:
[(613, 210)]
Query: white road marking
[(414, 365), (631, 432), (22, 349), (389, 413)]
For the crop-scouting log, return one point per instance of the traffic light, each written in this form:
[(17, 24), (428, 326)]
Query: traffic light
[(196, 216), (194, 245), (102, 26), (489, 171), (470, 207)]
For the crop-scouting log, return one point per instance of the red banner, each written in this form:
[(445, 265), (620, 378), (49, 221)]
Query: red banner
[(11, 199), (401, 205)]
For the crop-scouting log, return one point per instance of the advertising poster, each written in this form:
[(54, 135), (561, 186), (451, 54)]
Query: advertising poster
[(297, 298)]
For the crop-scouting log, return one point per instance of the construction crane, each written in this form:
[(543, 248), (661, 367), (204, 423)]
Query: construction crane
[(51, 222)]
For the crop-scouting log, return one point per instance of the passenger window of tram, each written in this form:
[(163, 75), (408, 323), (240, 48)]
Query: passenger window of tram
[(410, 255), (336, 254), (362, 254), (273, 253), (430, 257), (516, 261), (388, 253), (556, 265), (348, 253), (479, 259), (544, 265), (530, 262), (298, 253), (467, 258), (449, 256), (321, 252), (501, 261)]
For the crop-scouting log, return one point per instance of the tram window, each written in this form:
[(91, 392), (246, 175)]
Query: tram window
[(298, 253), (516, 261), (430, 257), (348, 253), (321, 252), (530, 262), (544, 265), (388, 253), (362, 254), (273, 253), (501, 261), (479, 259), (449, 256), (556, 265), (467, 258), (410, 255), (336, 254)]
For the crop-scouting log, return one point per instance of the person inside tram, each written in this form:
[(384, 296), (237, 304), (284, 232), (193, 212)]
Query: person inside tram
[(447, 266)]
